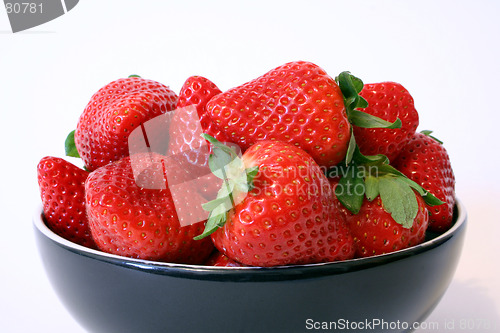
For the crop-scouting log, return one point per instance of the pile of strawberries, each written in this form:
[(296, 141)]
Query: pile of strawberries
[(294, 167)]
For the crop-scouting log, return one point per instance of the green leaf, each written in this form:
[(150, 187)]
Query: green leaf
[(216, 220), (372, 187), (134, 75), (428, 197), (351, 86), (362, 103), (225, 201), (220, 145), (375, 176), (366, 120), (350, 190), (69, 145), (222, 158), (218, 209), (369, 160), (351, 148), (356, 82), (217, 161), (431, 200), (420, 190), (428, 133), (238, 181), (389, 169), (398, 199), (251, 173)]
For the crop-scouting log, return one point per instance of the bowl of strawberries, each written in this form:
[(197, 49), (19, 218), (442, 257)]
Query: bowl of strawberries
[(293, 202)]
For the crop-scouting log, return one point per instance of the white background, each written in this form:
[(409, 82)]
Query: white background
[(445, 53)]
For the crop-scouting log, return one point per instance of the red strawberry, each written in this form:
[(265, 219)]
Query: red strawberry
[(286, 218), (62, 189), (388, 101), (113, 112), (376, 232), (186, 145), (197, 91), (221, 260), (426, 161), (134, 214), (297, 103)]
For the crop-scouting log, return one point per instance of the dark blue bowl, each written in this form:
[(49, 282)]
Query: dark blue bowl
[(108, 293)]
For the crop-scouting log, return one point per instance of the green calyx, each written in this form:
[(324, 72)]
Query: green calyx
[(372, 176), (69, 145), (237, 181), (351, 86)]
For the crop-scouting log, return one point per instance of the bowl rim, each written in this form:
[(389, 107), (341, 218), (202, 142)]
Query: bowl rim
[(218, 273)]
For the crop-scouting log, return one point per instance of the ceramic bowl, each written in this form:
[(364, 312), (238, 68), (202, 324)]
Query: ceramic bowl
[(108, 293)]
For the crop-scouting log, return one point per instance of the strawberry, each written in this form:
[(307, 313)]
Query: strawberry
[(389, 101), (276, 208), (376, 232), (385, 210), (425, 160), (221, 260), (132, 213), (186, 145), (298, 103), (101, 135), (197, 91), (62, 190)]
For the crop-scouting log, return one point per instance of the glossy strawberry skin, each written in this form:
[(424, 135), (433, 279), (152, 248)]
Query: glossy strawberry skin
[(288, 217), (197, 91), (62, 190), (389, 101), (426, 161), (140, 221), (375, 231), (186, 145), (298, 103), (101, 135)]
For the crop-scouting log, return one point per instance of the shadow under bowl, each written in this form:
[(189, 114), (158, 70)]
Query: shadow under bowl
[(109, 293)]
